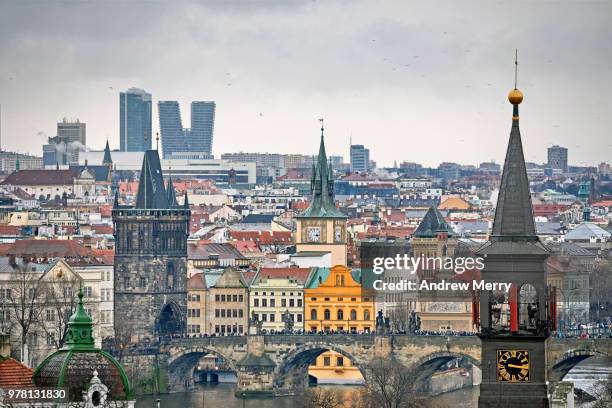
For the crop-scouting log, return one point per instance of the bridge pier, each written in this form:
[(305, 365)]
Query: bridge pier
[(255, 370)]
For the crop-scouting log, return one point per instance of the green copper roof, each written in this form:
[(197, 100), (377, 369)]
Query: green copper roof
[(322, 189), (80, 328), (73, 365), (432, 223)]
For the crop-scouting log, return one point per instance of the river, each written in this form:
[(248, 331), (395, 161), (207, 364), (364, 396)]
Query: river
[(585, 375)]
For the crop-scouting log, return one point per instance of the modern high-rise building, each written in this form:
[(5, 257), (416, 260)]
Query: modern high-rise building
[(202, 126), (177, 140), (72, 131), (360, 158), (171, 128), (135, 113), (557, 158)]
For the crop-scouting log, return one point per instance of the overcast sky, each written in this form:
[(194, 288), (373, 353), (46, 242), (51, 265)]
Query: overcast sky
[(424, 81)]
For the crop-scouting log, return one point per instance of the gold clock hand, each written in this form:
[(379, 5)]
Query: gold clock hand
[(518, 366)]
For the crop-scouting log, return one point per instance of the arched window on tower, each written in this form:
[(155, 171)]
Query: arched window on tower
[(528, 307), (170, 275)]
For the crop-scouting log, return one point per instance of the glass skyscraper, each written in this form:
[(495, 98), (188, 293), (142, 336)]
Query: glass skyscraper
[(171, 128), (176, 139), (202, 126), (135, 120)]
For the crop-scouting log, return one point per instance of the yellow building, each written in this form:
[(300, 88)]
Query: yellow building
[(335, 302)]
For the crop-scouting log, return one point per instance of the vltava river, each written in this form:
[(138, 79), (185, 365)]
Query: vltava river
[(585, 375)]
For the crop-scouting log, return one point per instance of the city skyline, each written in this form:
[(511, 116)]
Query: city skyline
[(378, 77)]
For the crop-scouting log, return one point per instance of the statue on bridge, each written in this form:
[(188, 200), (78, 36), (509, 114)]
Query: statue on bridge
[(255, 324), (414, 322), (383, 325), (288, 320)]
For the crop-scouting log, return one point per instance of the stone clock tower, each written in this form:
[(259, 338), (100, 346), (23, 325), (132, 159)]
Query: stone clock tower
[(322, 227), (514, 324)]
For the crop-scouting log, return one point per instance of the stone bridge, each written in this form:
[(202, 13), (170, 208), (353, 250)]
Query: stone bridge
[(278, 364)]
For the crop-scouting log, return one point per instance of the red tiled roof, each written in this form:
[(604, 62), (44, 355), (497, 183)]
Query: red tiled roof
[(10, 230), (263, 237), (301, 274), (102, 229), (49, 248), (196, 282), (40, 177), (13, 374)]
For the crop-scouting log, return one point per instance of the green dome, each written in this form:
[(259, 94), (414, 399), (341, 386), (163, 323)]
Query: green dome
[(73, 366)]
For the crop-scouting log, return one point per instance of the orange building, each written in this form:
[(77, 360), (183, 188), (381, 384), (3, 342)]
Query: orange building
[(335, 301)]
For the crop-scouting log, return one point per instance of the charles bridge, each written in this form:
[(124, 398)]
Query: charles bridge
[(278, 364)]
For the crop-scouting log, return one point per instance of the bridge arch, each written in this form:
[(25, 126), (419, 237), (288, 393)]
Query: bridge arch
[(427, 365), (182, 363), (569, 360), (292, 372)]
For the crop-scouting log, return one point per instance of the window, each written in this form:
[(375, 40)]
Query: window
[(264, 302), (326, 361), (50, 339), (366, 314), (340, 361), (217, 314), (234, 298), (299, 302), (353, 314), (240, 313), (223, 298), (340, 314), (271, 317), (143, 282), (222, 312), (299, 317), (283, 302), (240, 329), (326, 314), (272, 302), (216, 298), (291, 302), (256, 302), (5, 293), (50, 315), (264, 317), (313, 314), (67, 292)]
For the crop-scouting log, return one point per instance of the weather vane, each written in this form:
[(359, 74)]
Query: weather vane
[(322, 128)]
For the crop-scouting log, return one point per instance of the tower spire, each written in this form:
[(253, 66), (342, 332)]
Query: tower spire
[(514, 213)]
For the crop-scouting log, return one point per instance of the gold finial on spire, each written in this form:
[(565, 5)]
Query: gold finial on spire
[(322, 127), (515, 96)]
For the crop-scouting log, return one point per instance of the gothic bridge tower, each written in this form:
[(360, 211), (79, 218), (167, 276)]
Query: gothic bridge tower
[(151, 258), (514, 324)]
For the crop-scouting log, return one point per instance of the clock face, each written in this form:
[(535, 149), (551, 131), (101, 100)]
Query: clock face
[(338, 234), (512, 365), (314, 234)]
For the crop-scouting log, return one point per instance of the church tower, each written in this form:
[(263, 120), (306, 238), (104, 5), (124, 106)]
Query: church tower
[(514, 324), (322, 227), (151, 257)]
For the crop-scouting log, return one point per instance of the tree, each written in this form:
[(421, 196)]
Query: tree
[(322, 398), (604, 399), (601, 286), (22, 302), (389, 384), (59, 296)]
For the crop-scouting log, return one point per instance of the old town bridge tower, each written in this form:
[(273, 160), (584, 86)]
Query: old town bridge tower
[(151, 258), (515, 324)]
